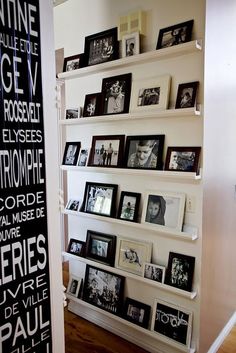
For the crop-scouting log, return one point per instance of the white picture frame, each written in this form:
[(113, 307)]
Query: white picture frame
[(74, 284), (131, 255), (83, 157), (73, 205), (72, 113), (130, 44), (164, 209), (154, 272), (150, 94)]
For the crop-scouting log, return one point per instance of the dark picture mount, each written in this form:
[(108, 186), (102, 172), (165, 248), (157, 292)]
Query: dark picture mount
[(129, 206), (93, 104), (136, 312), (104, 289), (186, 95), (183, 159), (116, 90), (101, 47), (73, 62), (71, 153), (174, 35), (144, 152), (107, 151), (101, 247), (76, 247), (180, 271)]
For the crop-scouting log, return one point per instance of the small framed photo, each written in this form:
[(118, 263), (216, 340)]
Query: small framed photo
[(116, 90), (73, 205), (174, 35), (165, 209), (83, 157), (107, 151), (131, 255), (73, 113), (130, 44), (76, 247), (100, 199), (71, 153), (136, 312), (101, 47), (150, 94), (101, 247), (145, 151), (92, 104), (74, 286), (129, 206), (73, 62), (154, 272), (186, 95), (104, 289), (165, 314), (182, 159), (180, 271)]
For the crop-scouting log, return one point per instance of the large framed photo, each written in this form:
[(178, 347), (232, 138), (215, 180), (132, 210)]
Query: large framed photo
[(154, 272), (186, 95), (92, 104), (74, 286), (131, 255), (101, 247), (144, 151), (104, 289), (76, 247), (174, 35), (182, 159), (100, 199), (150, 94), (130, 44), (180, 271), (129, 206), (71, 153), (73, 62), (165, 209), (116, 90), (101, 47), (107, 151), (136, 312)]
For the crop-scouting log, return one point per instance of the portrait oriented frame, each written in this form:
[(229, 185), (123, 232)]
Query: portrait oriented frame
[(73, 62), (127, 40), (83, 157), (74, 286), (76, 247), (101, 247), (153, 162), (136, 312), (129, 206), (150, 94), (166, 37), (73, 205), (180, 334), (186, 95), (183, 159), (92, 104), (154, 272), (71, 153), (96, 284), (104, 155), (100, 199), (101, 47), (171, 209)]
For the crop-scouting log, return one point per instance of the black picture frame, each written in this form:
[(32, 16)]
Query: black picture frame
[(182, 159), (71, 153), (116, 94), (101, 47), (101, 247), (175, 35), (136, 312), (107, 151), (92, 104), (129, 206), (104, 289), (73, 62), (186, 95), (95, 195), (180, 270), (144, 152), (76, 247)]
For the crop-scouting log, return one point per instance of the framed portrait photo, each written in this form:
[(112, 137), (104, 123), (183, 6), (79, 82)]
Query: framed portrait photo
[(100, 199), (73, 62), (130, 44), (74, 286), (144, 152), (186, 95), (136, 312), (101, 47), (107, 151), (101, 247), (174, 35), (129, 206), (183, 159), (173, 322), (73, 113), (116, 94), (92, 104), (83, 157), (73, 205), (150, 94), (104, 289), (164, 209), (154, 272), (76, 247), (71, 153), (180, 271), (131, 255)]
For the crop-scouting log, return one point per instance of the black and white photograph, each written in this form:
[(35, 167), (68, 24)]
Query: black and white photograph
[(183, 159), (131, 44), (76, 247), (116, 92), (186, 95), (74, 286), (92, 104), (73, 113), (174, 35), (83, 157), (129, 206), (71, 153), (73, 205), (73, 62), (136, 312), (104, 289), (180, 271), (154, 272), (101, 247)]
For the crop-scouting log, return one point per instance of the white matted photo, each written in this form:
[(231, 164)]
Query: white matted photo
[(130, 44), (74, 284), (164, 209), (150, 93), (73, 113), (83, 157), (154, 272)]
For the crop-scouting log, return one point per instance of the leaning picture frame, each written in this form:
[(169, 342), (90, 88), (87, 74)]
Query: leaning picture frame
[(101, 247), (183, 159), (73, 113), (92, 104), (73, 205), (175, 35), (130, 44), (136, 312), (129, 206), (73, 62), (186, 95), (154, 272), (83, 157), (76, 247), (74, 286), (71, 153)]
